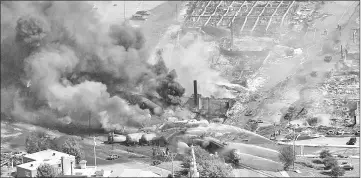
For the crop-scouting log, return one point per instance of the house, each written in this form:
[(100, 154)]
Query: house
[(61, 162)]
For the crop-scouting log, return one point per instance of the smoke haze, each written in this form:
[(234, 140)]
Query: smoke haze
[(61, 62), (191, 61)]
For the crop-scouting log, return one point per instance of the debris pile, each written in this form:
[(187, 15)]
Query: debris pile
[(245, 15), (342, 86)]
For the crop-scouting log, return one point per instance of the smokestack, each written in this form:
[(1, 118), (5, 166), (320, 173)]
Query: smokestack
[(195, 93)]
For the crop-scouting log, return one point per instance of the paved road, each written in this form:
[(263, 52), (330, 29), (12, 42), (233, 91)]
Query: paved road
[(321, 145)]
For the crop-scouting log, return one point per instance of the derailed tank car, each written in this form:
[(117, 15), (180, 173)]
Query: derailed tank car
[(141, 101), (134, 138), (116, 138), (147, 139)]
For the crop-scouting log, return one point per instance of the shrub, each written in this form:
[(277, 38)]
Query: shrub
[(330, 163), (38, 141), (313, 74), (72, 147), (208, 166), (317, 161), (337, 171), (287, 156), (325, 154), (288, 116), (46, 170), (251, 126)]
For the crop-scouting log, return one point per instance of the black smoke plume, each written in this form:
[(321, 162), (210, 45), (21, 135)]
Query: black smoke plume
[(61, 64)]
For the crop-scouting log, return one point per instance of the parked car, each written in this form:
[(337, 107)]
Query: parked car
[(352, 141), (139, 17), (260, 121), (143, 13), (249, 113), (342, 156), (327, 58), (113, 157), (330, 132), (346, 166)]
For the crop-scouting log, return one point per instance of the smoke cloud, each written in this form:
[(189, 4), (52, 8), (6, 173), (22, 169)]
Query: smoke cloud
[(65, 63), (191, 61)]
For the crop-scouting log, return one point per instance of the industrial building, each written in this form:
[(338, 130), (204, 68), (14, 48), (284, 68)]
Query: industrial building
[(208, 107)]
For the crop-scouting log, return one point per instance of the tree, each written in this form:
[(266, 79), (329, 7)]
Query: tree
[(38, 141), (72, 147), (287, 156), (330, 163), (251, 126), (337, 171), (208, 166), (46, 170), (325, 153)]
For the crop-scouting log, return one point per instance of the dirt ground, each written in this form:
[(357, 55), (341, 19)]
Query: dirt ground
[(311, 59)]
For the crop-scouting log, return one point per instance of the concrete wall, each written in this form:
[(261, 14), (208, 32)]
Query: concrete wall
[(21, 172), (68, 165)]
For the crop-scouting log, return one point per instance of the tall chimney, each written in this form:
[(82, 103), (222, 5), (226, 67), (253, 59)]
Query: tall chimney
[(195, 93)]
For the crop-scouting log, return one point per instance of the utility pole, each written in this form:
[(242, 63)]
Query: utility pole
[(124, 10), (294, 148), (176, 12), (231, 35), (172, 156), (341, 52), (95, 156), (89, 122)]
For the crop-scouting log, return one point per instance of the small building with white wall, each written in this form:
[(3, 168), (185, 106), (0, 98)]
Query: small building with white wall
[(61, 162)]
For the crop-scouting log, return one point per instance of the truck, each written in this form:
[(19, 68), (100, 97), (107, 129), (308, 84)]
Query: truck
[(112, 157), (352, 141), (347, 166), (139, 17), (143, 13)]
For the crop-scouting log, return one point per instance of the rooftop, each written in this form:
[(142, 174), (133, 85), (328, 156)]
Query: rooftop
[(89, 171), (48, 154), (33, 165), (136, 173)]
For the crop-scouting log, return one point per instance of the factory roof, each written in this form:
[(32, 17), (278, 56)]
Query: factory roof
[(48, 154)]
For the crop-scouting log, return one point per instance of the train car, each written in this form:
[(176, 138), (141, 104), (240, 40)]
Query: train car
[(148, 139), (134, 138)]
